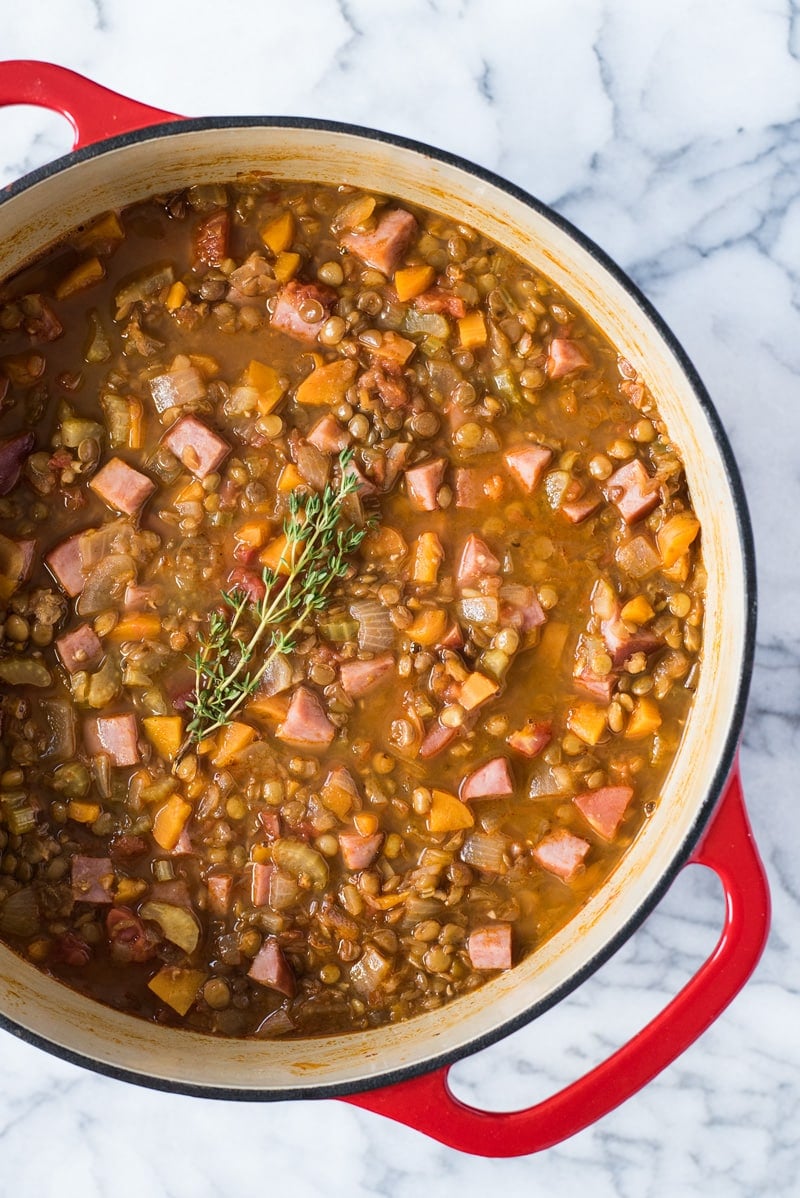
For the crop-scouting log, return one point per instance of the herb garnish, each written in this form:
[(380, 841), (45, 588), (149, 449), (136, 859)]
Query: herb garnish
[(315, 556)]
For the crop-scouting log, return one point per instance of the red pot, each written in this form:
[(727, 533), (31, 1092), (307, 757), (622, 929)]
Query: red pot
[(125, 152)]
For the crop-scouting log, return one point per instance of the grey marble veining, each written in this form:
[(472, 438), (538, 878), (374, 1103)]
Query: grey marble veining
[(671, 135)]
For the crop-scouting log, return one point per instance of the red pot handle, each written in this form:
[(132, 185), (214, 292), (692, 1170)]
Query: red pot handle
[(94, 112), (427, 1103)]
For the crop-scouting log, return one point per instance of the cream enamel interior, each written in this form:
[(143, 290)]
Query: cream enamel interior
[(46, 210)]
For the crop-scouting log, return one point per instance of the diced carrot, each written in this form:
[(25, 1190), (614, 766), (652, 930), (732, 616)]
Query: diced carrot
[(177, 987), (85, 274), (327, 384), (192, 493), (476, 690), (551, 643), (169, 822), (175, 296), (268, 707), (644, 719), (136, 626), (262, 853), (129, 890), (83, 813), (278, 233), (366, 823), (289, 478), (267, 382), (412, 281), (429, 626), (448, 813), (106, 228), (286, 266), (232, 739), (637, 610), (472, 330), (165, 733), (136, 427), (253, 533), (587, 721), (277, 555), (679, 572), (383, 541), (676, 535), (428, 556)]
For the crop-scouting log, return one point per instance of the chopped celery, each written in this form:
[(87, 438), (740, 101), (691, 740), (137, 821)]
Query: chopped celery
[(507, 387), (19, 813), (495, 662), (99, 347), (341, 630), (432, 324), (74, 430)]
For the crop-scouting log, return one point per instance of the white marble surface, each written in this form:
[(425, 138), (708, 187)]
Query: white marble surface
[(671, 134)]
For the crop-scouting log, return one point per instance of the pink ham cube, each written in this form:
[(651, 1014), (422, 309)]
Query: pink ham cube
[(561, 853), (358, 852), (80, 649), (196, 446), (259, 883), (564, 357), (65, 563), (220, 889), (121, 487), (488, 781), (436, 740), (490, 947), (531, 738), (306, 722), (384, 246), (578, 510), (292, 307), (477, 562), (115, 735), (423, 483), (328, 436), (622, 644), (633, 491), (270, 968), (360, 677), (92, 879), (604, 808), (600, 686), (528, 464)]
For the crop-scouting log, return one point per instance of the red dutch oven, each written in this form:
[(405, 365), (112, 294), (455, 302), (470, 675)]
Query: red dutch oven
[(125, 152)]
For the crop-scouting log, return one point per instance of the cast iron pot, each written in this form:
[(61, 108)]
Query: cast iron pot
[(126, 152)]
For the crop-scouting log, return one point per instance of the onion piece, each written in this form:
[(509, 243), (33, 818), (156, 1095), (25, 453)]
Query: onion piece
[(299, 859), (59, 718), (283, 890), (177, 388), (19, 914), (480, 609), (375, 629), (105, 585), (277, 677), (485, 852), (314, 466)]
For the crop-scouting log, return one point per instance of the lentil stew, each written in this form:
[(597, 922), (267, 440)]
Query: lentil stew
[(352, 609)]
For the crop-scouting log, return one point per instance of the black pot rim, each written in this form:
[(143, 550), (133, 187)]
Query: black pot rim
[(705, 808)]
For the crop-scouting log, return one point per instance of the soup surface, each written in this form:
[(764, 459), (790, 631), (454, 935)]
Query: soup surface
[(351, 609)]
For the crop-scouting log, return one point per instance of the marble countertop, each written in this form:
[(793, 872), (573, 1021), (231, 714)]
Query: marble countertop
[(671, 135)]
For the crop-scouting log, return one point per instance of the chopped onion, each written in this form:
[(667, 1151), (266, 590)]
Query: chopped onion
[(277, 677), (485, 852), (283, 890), (143, 286), (480, 609), (375, 628), (177, 387), (59, 716), (314, 466), (19, 914), (638, 558), (370, 971), (105, 585)]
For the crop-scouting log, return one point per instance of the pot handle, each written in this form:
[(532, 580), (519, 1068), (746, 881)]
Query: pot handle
[(94, 112), (427, 1104)]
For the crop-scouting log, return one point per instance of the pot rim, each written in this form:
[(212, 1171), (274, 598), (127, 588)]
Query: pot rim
[(704, 810)]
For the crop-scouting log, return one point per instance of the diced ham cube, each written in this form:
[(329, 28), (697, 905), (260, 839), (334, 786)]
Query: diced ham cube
[(358, 852), (423, 483), (295, 298), (80, 649), (604, 808), (247, 581), (384, 246), (220, 889), (597, 685), (65, 563), (531, 738), (270, 821), (477, 562), (306, 723), (454, 637), (436, 739), (197, 446), (328, 436), (210, 239), (121, 487), (561, 853), (115, 735), (491, 780), (139, 597), (259, 883), (92, 879), (270, 968), (473, 486), (578, 510), (360, 677), (520, 608), (437, 300), (528, 464), (564, 356), (622, 644), (633, 491), (490, 947)]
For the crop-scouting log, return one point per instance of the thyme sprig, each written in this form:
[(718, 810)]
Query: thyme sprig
[(318, 545)]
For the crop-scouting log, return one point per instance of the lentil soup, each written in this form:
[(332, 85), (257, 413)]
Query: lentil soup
[(352, 609)]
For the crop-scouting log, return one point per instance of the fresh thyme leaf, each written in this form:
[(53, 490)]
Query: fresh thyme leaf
[(318, 545)]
